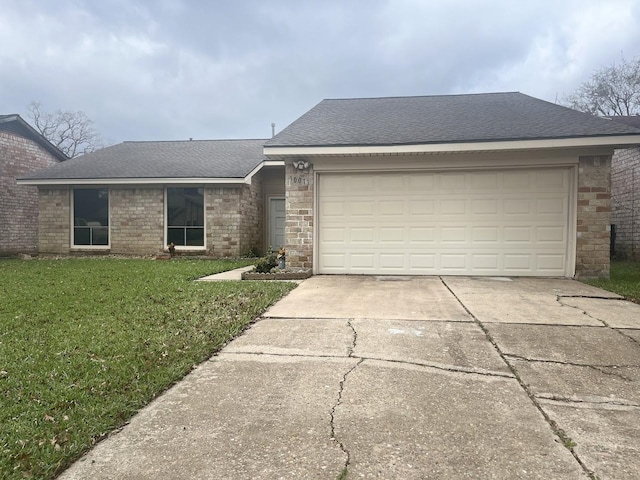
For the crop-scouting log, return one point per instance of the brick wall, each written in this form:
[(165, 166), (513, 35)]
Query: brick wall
[(233, 220), (55, 218), (137, 220), (593, 217), (625, 201), (251, 215), (223, 221), (19, 203), (299, 224)]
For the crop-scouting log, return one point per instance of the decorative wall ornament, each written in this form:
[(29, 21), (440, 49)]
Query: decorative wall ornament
[(302, 164)]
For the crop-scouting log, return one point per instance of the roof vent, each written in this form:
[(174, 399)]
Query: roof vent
[(273, 130)]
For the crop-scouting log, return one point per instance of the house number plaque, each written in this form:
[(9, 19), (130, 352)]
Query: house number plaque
[(297, 180)]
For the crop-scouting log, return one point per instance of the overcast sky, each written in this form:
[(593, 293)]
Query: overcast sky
[(174, 69)]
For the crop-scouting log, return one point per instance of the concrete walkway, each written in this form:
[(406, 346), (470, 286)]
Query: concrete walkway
[(408, 378)]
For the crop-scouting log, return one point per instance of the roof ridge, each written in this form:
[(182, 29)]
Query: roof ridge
[(204, 140), (427, 96)]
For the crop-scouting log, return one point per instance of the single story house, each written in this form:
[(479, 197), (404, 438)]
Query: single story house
[(221, 198), (625, 195), (479, 184), (22, 151)]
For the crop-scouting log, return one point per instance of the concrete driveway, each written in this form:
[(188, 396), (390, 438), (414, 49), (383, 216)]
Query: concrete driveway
[(408, 378)]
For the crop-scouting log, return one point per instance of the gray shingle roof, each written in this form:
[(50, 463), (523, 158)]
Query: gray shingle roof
[(440, 119), (15, 125), (173, 159), (633, 120)]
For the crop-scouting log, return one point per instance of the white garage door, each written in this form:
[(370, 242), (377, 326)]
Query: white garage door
[(508, 222)]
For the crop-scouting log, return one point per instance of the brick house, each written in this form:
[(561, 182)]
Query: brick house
[(625, 195), (484, 184), (22, 151), (221, 198)]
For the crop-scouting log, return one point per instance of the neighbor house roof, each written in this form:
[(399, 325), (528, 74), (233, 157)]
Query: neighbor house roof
[(14, 124), (127, 162), (442, 119), (632, 120)]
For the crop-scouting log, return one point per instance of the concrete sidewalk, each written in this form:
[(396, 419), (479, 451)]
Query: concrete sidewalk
[(408, 378)]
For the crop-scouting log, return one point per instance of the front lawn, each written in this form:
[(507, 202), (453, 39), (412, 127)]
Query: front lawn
[(625, 280), (85, 343)]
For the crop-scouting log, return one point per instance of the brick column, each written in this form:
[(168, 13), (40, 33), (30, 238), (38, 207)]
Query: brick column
[(594, 217), (299, 224)]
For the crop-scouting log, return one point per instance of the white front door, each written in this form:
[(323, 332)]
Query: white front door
[(277, 217)]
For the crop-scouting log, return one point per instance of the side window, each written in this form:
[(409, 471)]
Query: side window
[(91, 217), (185, 216)]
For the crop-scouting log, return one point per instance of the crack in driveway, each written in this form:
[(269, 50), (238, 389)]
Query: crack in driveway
[(352, 347), (555, 428), (332, 416), (604, 322)]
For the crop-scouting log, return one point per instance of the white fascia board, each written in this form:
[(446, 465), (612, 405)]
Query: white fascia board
[(131, 181), (266, 163), (152, 181), (620, 141)]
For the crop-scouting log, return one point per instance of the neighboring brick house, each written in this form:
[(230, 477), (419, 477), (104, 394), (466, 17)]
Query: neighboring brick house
[(625, 196), (22, 150), (485, 184)]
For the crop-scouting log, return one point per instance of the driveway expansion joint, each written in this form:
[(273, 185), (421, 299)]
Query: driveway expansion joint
[(332, 415), (435, 366), (569, 400), (568, 443), (572, 364)]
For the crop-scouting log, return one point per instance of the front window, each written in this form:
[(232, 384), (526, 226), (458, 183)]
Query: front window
[(185, 216), (91, 217)]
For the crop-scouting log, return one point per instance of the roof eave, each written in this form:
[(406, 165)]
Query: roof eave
[(128, 181), (151, 181), (611, 141)]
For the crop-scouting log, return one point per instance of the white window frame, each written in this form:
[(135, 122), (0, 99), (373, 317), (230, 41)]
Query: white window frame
[(186, 248), (72, 215)]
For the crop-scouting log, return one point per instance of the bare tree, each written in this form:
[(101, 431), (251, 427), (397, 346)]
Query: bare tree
[(611, 91), (72, 132)]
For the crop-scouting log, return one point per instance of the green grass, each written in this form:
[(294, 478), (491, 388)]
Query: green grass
[(85, 343), (625, 280)]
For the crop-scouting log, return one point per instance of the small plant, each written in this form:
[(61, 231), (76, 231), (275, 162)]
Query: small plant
[(266, 264), (253, 252)]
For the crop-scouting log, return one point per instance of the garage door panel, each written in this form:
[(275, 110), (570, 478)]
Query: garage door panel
[(452, 182), (391, 207), (453, 207), (361, 208), (486, 262), (362, 261), (420, 207), (362, 235), (485, 234), (465, 223)]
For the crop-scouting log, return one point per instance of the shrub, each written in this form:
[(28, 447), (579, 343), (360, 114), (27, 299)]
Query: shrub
[(265, 264)]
